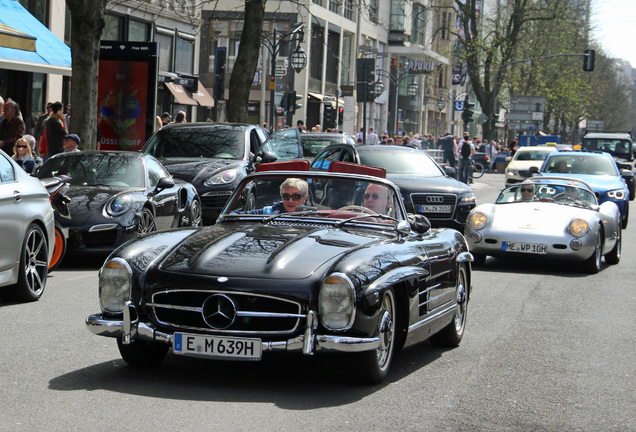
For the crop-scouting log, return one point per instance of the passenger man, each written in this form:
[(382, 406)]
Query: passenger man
[(377, 199)]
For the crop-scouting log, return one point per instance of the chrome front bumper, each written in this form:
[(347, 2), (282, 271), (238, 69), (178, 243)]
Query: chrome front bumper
[(308, 343)]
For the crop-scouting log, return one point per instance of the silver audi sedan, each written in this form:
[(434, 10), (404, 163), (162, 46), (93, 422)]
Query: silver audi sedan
[(28, 233)]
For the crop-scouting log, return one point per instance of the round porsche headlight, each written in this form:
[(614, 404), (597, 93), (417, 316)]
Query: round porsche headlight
[(115, 281), (224, 177), (336, 302), (477, 220), (119, 205), (578, 227)]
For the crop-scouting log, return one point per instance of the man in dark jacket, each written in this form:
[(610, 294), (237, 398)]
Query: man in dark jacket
[(12, 127)]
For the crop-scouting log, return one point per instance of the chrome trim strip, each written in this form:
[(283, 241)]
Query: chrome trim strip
[(436, 315), (102, 227)]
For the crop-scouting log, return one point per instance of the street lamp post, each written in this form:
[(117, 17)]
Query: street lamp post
[(273, 47), (412, 90), (440, 106)]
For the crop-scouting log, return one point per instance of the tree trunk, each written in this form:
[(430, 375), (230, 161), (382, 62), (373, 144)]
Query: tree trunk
[(87, 24), (246, 61)]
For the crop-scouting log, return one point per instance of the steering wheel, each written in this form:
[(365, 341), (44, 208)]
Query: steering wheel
[(357, 208)]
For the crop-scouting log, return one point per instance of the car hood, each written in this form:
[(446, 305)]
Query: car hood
[(600, 183), (540, 217), (197, 170), (263, 251), (90, 199), (420, 184)]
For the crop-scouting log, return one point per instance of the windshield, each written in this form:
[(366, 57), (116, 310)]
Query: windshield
[(615, 147), (330, 197), (313, 145), (562, 193), (401, 162), (531, 155), (589, 164), (96, 169), (223, 142)]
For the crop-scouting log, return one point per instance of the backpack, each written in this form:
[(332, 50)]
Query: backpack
[(465, 151)]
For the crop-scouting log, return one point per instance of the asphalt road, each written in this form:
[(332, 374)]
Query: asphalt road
[(546, 349)]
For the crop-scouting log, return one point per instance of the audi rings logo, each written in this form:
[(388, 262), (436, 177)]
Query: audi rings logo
[(434, 199), (219, 311)]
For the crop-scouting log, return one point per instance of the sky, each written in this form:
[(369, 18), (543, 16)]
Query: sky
[(614, 23)]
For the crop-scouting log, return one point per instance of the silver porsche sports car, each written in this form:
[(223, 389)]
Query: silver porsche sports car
[(547, 217)]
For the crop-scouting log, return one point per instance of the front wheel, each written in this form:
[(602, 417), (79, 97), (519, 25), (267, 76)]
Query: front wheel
[(614, 256), (371, 367), (146, 222), (478, 170), (142, 353), (593, 264), (33, 267), (196, 214), (624, 221), (451, 335)]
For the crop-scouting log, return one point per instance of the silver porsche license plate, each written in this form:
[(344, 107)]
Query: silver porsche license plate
[(228, 348), (524, 248), (435, 208)]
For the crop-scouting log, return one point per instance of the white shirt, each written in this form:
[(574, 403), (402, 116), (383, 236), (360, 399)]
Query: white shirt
[(373, 139)]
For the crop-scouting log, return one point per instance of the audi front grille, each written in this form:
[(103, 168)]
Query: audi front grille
[(226, 312), (439, 206)]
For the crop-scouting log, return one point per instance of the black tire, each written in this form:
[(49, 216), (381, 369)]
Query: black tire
[(592, 265), (614, 256), (142, 353), (251, 202), (479, 259), (371, 367), (59, 248), (451, 335), (146, 222), (33, 267), (196, 214), (624, 221), (478, 170)]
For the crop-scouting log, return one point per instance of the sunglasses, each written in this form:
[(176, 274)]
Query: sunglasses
[(526, 190), (21, 146), (375, 196), (294, 197)]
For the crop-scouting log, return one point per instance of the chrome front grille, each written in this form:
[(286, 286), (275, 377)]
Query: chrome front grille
[(253, 314), (437, 199)]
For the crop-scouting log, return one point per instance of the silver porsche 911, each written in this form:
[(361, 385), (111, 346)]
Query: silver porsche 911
[(547, 217)]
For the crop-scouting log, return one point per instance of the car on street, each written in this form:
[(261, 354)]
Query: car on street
[(293, 144), (214, 157), (518, 168), (116, 196), (597, 169), (425, 186), (620, 145), (28, 233), (552, 218), (302, 275)]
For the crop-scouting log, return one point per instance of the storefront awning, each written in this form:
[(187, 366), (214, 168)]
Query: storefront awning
[(315, 95), (180, 94), (27, 45), (203, 96)]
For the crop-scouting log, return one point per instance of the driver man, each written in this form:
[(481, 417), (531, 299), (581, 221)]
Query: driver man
[(377, 199), (570, 193)]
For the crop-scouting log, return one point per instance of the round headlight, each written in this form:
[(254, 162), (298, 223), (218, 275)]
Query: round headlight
[(618, 194), (336, 302), (224, 177), (578, 227), (119, 205), (477, 220), (115, 281)]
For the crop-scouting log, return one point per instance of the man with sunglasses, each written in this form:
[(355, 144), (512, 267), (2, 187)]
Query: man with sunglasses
[(377, 199), (526, 192)]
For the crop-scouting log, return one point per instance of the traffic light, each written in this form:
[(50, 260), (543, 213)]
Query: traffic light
[(469, 110), (365, 77), (588, 60), (220, 59), (330, 116), (494, 120), (340, 116), (295, 103)]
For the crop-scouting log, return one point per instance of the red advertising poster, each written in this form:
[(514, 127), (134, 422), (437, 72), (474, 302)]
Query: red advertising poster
[(122, 101)]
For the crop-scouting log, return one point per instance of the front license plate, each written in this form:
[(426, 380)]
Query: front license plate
[(532, 248), (229, 348), (435, 208)]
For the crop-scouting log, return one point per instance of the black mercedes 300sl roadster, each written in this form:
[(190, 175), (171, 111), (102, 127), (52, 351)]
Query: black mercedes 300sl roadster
[(299, 261)]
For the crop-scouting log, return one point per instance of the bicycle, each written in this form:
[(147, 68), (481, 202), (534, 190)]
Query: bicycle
[(478, 170)]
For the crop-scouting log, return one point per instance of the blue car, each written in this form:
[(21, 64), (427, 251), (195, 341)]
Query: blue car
[(599, 170)]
